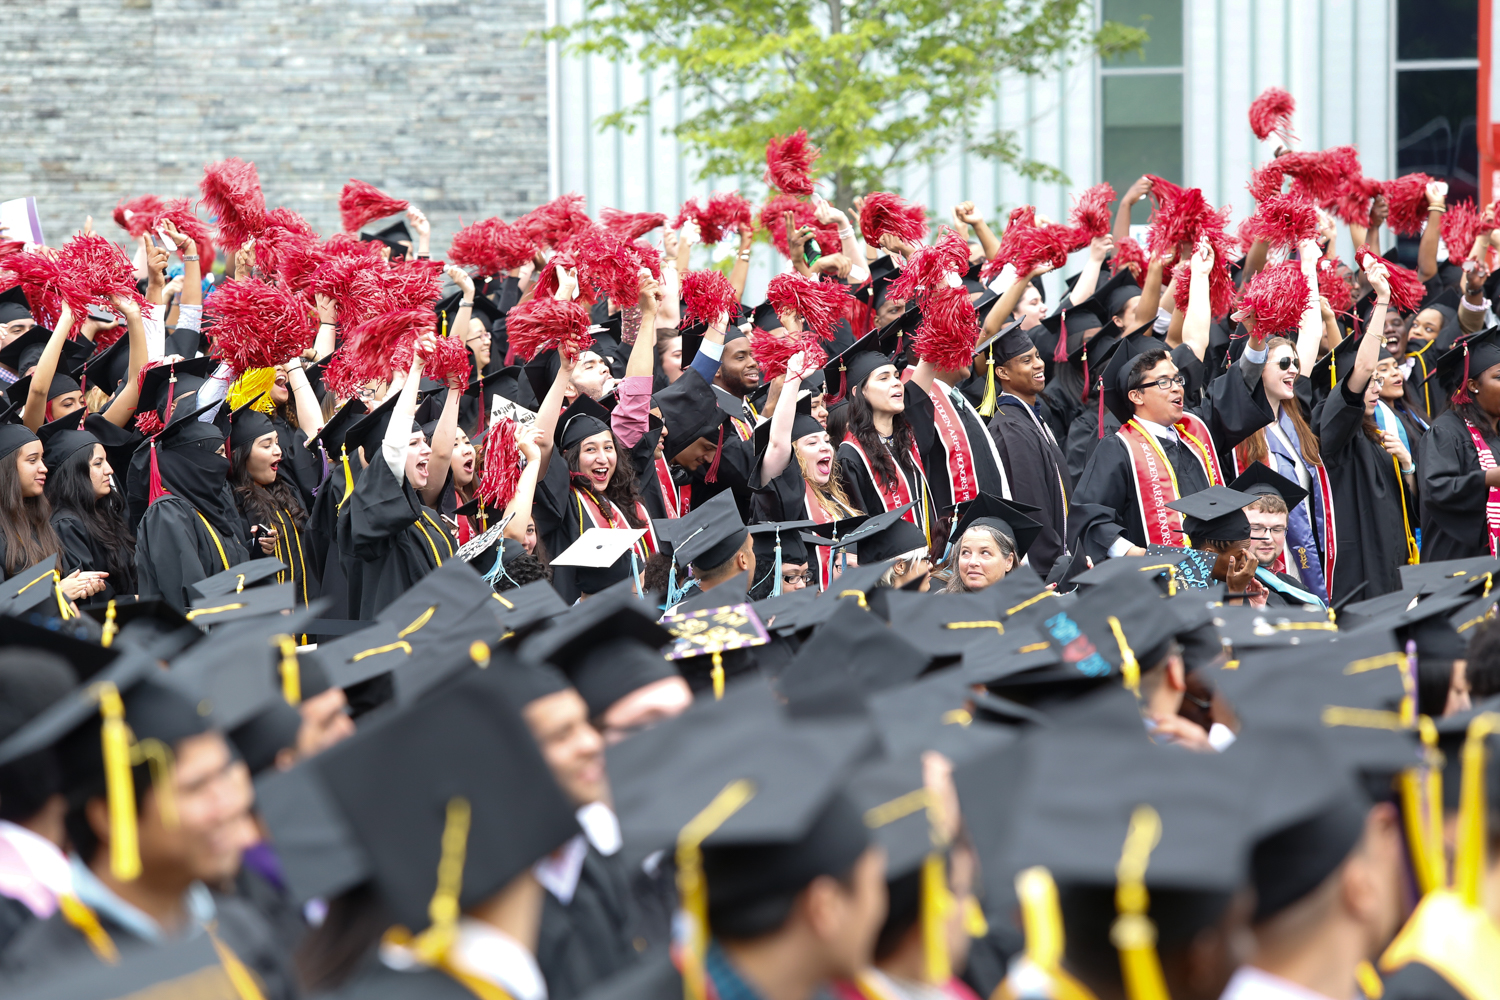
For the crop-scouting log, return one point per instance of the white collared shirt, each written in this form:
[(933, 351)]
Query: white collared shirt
[(1250, 983), (484, 950)]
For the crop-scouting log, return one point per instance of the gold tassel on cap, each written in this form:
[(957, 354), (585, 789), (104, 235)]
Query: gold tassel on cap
[(1130, 670), (348, 477), (991, 398), (692, 889), (291, 673), (1041, 918), (717, 674), (124, 837), (431, 946), (1421, 790), (110, 628), (1468, 855), (1133, 933)]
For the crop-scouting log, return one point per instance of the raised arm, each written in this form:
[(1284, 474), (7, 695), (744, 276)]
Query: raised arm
[(443, 436), (1437, 204), (529, 445), (1310, 329), (551, 408), (671, 289), (1150, 302), (328, 327), (122, 407), (34, 413), (1088, 278), (970, 216), (398, 432), (1368, 352), (848, 243), (740, 273), (779, 451), (1196, 320), (1133, 194), (460, 277), (309, 413)]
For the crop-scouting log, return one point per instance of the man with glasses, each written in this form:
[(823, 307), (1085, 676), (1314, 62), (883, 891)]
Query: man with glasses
[(1275, 495)]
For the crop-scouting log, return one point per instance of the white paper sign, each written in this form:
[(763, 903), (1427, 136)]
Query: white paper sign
[(20, 221)]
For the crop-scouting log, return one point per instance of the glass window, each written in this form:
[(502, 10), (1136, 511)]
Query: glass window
[(1436, 29), (1161, 19), (1140, 114)]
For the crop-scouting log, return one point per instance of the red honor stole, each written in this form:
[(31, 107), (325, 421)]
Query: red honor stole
[(892, 494), (818, 515), (1492, 498), (1156, 480), (615, 518), (675, 498), (742, 428), (950, 429)]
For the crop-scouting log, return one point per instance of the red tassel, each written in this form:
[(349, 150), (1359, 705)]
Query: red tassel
[(154, 487), (134, 215), (706, 297), (491, 247), (843, 385), (1277, 296), (803, 214), (1407, 198), (1060, 349), (724, 212), (1272, 112), (1101, 409), (1462, 395), (1407, 290), (1284, 220), (1091, 212), (712, 475), (257, 324), (884, 212), (1084, 395), (502, 466), (361, 203), (555, 224), (541, 323), (1461, 227), (631, 225), (789, 161), (231, 192), (819, 303)]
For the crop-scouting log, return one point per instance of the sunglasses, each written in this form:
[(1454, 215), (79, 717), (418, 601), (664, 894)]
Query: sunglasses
[(1288, 361)]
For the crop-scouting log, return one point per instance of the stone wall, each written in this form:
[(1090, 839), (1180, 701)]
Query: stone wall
[(443, 104)]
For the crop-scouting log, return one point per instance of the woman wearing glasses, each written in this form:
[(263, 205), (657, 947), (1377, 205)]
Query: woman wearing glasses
[(1374, 481)]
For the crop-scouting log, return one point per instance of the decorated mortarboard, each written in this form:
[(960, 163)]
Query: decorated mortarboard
[(1261, 480), (238, 577), (1247, 628), (1007, 516), (700, 638), (1215, 514), (254, 602)]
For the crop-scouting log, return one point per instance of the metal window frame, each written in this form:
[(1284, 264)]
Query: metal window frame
[(1101, 71)]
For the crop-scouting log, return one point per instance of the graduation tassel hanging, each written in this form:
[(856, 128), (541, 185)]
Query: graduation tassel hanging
[(1130, 670), (1100, 389), (712, 475), (692, 888), (1060, 352), (716, 673), (348, 475), (110, 628), (1041, 918), (1461, 395), (1468, 855), (990, 401), (1421, 790), (291, 674), (776, 568), (431, 946), (114, 737), (154, 486), (937, 903), (1133, 934)]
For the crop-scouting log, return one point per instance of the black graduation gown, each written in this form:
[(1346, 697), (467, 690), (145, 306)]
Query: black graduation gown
[(387, 539), (736, 458), (15, 916), (1419, 981), (291, 549), (301, 467), (1427, 398), (921, 412), (1453, 492), (1367, 500), (81, 550), (1232, 412), (654, 978), (1062, 400), (860, 488), (590, 938), (321, 534), (378, 982), (1038, 476), (51, 946), (175, 548), (1083, 438)]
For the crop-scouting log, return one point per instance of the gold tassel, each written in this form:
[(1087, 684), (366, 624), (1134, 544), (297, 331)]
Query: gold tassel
[(291, 673), (110, 628), (431, 946), (1133, 933), (124, 838), (1468, 855), (937, 903), (692, 889), (479, 652), (246, 987), (348, 477), (975, 924), (85, 921), (988, 403), (717, 673), (1130, 670), (1369, 981), (1041, 918), (162, 763)]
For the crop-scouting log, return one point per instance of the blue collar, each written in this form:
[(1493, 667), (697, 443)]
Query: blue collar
[(97, 896), (728, 983), (1279, 585)]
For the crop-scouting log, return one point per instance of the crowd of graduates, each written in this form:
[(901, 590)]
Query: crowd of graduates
[(547, 621)]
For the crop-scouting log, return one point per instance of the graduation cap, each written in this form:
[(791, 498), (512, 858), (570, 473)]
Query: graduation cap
[(255, 602), (584, 418), (690, 410), (107, 368), (1334, 366), (856, 363), (933, 714), (172, 381), (710, 533), (1261, 480), (602, 557), (883, 536), (86, 658), (522, 608), (64, 437), (430, 797), (1215, 514), (1428, 625), (1006, 516), (851, 655), (833, 532), (396, 236), (777, 543), (1467, 359), (1114, 367), (151, 624), (188, 967), (13, 437), (363, 655), (1247, 628), (23, 352), (945, 625), (1163, 568), (1430, 577), (607, 648), (883, 270), (35, 590), (1088, 315), (440, 618), (331, 435), (238, 577), (13, 304), (483, 309)]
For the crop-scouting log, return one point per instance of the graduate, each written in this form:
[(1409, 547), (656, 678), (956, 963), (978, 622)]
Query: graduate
[(1164, 452), (1034, 464), (88, 511), (990, 538), (191, 530), (1275, 496), (266, 498), (1457, 469)]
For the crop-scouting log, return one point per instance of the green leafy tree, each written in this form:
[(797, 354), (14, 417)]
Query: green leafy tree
[(880, 85)]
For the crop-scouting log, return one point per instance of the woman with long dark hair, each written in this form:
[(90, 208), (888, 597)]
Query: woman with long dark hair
[(1459, 473), (267, 501), (26, 533), (88, 512), (879, 461)]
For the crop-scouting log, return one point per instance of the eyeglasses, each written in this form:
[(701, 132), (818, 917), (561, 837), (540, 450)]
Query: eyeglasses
[(1265, 534), (1165, 383), (1289, 361), (794, 576)]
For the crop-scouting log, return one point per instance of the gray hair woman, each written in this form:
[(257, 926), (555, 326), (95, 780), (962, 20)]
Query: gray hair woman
[(990, 538)]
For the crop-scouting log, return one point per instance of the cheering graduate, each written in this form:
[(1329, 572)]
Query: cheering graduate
[(88, 513), (268, 502), (1460, 478)]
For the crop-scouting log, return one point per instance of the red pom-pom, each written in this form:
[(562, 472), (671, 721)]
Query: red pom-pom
[(1277, 295), (631, 225), (1129, 253), (257, 324), (547, 282), (231, 191), (1407, 290), (949, 330), (1026, 245), (1266, 181), (929, 268), (1407, 198), (1352, 204), (134, 215), (1272, 112), (706, 297), (1320, 175), (772, 351), (613, 264), (724, 211), (1461, 227), (819, 303), (1091, 214), (361, 203), (179, 211), (490, 246), (1285, 220), (286, 242), (542, 323), (1334, 288), (555, 224), (789, 161), (446, 362), (884, 212), (502, 466), (1179, 216), (773, 221), (148, 423), (376, 342), (94, 270), (344, 374)]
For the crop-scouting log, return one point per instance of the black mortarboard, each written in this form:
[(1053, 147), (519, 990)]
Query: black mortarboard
[(331, 436), (21, 353), (1010, 342), (850, 368), (1261, 480), (1429, 626), (158, 383), (1114, 367), (363, 655), (787, 534), (189, 967), (86, 658), (106, 369), (1246, 628), (608, 648), (396, 236), (247, 424), (945, 624), (484, 310), (63, 437), (13, 437), (453, 765), (583, 419), (885, 535), (852, 654), (892, 798), (1215, 514), (522, 608), (710, 533), (883, 271), (151, 624), (1467, 359), (1429, 577), (238, 577), (34, 588), (253, 602), (1087, 315), (440, 617), (369, 428), (689, 409), (1004, 515), (13, 304), (1150, 566)]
